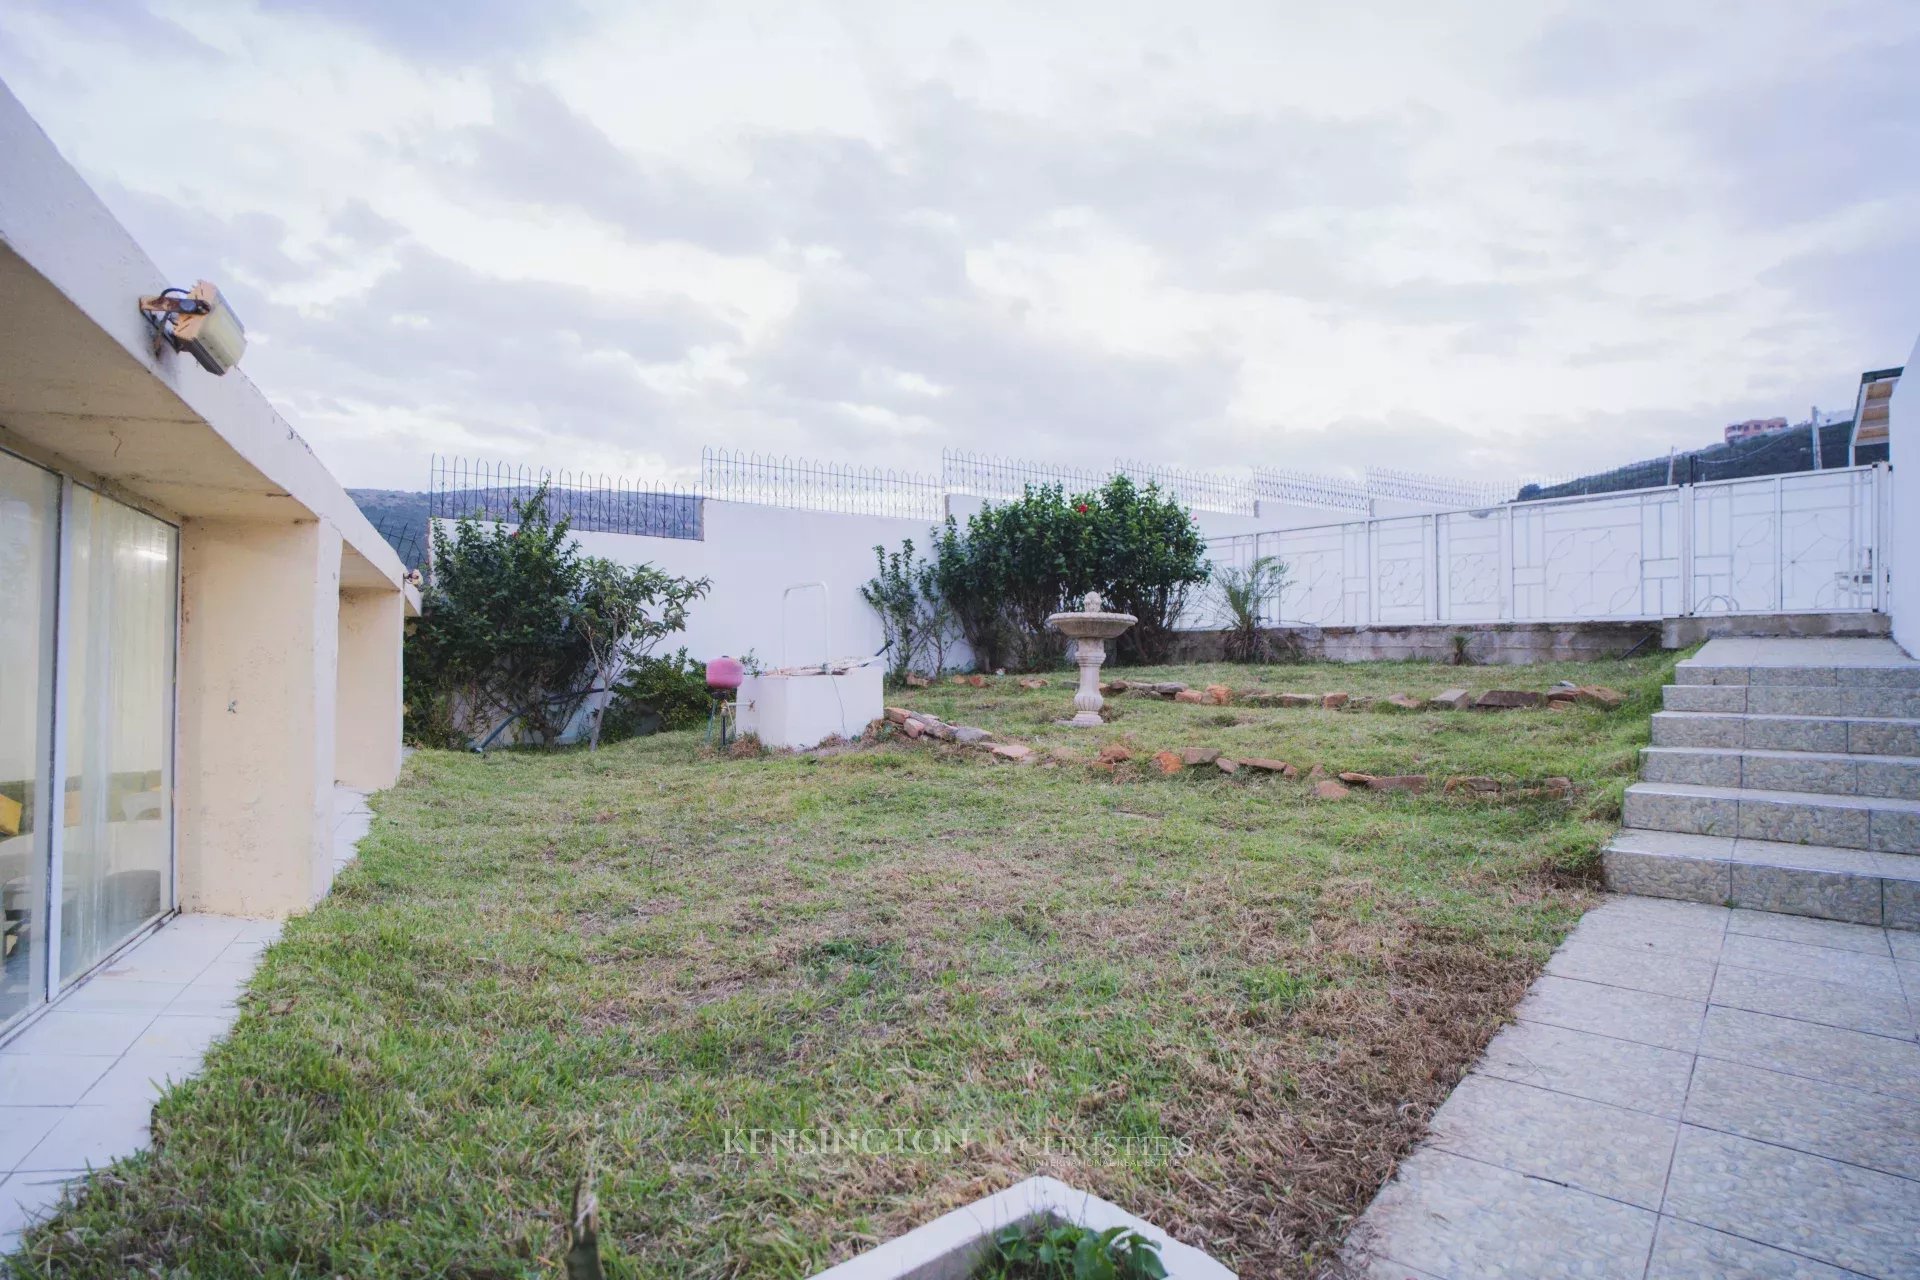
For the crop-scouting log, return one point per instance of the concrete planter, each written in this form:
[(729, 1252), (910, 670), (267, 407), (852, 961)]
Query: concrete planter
[(950, 1247)]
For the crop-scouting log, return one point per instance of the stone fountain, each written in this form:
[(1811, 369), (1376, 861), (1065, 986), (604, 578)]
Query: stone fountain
[(1089, 629)]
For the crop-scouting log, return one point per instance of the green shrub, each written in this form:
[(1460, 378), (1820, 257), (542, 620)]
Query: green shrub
[(495, 634), (1068, 1251), (517, 624), (1147, 554), (915, 618), (664, 692), (1243, 592), (1019, 562)]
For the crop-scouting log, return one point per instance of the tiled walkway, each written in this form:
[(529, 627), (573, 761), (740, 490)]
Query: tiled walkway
[(1690, 1091), (78, 1086)]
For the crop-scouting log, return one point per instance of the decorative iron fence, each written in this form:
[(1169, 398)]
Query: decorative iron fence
[(405, 537), (1438, 491), (1310, 490), (1200, 490), (1807, 542), (985, 476), (820, 486), (993, 477), (589, 503)]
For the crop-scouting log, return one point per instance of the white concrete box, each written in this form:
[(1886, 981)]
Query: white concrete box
[(797, 708), (951, 1247)]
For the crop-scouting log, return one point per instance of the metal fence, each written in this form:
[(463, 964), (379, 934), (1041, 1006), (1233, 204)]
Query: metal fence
[(820, 486), (1438, 491), (1199, 490), (406, 538), (986, 476), (1310, 490), (1796, 449), (1805, 542), (590, 503)]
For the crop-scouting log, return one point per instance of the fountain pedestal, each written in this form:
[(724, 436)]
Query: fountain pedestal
[(1089, 629)]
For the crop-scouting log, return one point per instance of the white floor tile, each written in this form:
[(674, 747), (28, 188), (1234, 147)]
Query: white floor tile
[(217, 991), (26, 1198), (102, 1034), (49, 1079), (141, 1077), (110, 993), (88, 1137), (22, 1129), (248, 953), (183, 1033)]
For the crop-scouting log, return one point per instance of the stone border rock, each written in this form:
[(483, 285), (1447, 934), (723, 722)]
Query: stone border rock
[(917, 725), (1220, 695)]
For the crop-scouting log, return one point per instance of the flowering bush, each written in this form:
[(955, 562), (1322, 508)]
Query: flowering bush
[(1018, 562)]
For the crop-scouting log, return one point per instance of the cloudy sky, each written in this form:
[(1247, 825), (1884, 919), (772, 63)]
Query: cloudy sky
[(1515, 238)]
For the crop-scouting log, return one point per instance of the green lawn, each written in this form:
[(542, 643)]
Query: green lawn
[(1216, 1000)]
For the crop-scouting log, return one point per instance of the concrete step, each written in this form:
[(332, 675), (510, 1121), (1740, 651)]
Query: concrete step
[(1822, 772), (1864, 735), (1795, 817), (1793, 700), (1855, 885), (1898, 672)]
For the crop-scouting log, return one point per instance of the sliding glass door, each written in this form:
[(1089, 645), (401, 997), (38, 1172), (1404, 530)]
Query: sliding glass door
[(29, 550), (116, 726), (88, 588)]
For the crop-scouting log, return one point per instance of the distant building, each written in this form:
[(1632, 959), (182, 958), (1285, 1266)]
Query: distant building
[(1738, 431)]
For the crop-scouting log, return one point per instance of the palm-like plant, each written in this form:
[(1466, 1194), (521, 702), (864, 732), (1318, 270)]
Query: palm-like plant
[(1244, 592)]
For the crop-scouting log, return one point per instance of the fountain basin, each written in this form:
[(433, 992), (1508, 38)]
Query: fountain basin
[(1089, 627)]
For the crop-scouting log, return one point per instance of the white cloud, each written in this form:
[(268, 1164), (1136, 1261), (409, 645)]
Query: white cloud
[(1501, 237)]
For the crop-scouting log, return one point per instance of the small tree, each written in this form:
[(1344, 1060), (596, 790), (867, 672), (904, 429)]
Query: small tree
[(621, 613), (517, 623), (966, 581), (496, 636), (1243, 592), (1147, 553), (1021, 561), (915, 618)]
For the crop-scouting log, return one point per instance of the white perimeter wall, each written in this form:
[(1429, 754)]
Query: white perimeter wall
[(1905, 536), (752, 554)]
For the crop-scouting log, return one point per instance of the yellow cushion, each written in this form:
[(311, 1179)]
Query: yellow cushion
[(9, 816)]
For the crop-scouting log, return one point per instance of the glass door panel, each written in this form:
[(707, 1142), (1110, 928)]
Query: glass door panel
[(116, 855), (29, 559)]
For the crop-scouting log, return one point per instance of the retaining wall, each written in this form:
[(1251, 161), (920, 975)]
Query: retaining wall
[(1500, 644)]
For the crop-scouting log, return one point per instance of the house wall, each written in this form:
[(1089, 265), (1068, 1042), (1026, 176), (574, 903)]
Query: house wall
[(367, 706), (259, 641), (268, 538), (1905, 508)]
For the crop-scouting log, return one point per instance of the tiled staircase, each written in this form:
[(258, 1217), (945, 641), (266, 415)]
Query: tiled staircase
[(1784, 776)]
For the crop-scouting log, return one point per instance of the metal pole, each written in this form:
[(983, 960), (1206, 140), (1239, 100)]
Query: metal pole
[(1779, 550), (1686, 551)]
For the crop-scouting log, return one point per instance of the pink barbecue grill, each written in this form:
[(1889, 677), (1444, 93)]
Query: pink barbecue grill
[(723, 678)]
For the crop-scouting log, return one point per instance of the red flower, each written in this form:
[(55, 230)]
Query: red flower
[(1081, 507)]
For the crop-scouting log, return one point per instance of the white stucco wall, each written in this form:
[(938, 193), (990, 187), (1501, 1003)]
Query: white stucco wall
[(259, 645), (1904, 548), (752, 554)]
